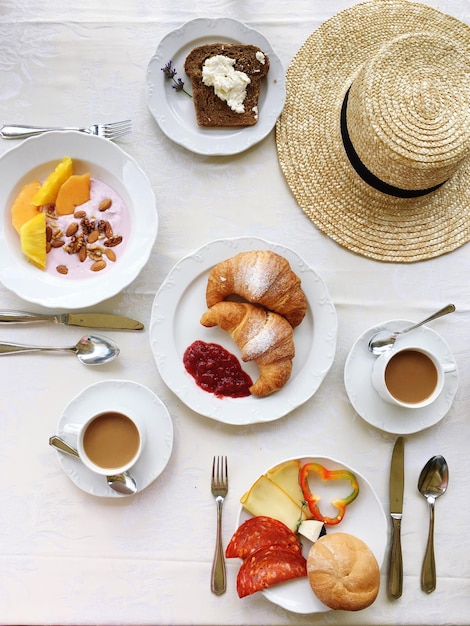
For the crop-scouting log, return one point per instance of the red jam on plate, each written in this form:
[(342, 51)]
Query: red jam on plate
[(216, 370)]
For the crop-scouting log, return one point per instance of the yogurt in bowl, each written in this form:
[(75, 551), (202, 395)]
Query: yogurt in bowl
[(115, 171), (91, 238)]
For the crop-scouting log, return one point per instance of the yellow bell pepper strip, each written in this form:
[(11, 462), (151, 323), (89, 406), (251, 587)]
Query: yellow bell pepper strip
[(312, 498)]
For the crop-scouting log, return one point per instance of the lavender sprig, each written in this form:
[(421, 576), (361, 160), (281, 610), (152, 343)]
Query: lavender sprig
[(170, 73)]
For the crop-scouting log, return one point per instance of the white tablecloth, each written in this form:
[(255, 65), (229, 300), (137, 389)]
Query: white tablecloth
[(67, 557)]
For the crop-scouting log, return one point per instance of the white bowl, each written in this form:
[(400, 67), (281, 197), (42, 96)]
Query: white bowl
[(35, 158)]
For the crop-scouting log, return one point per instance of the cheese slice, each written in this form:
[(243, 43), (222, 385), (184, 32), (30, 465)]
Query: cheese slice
[(267, 498), (286, 475)]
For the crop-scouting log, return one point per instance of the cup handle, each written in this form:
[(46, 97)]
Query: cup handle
[(449, 367), (72, 428)]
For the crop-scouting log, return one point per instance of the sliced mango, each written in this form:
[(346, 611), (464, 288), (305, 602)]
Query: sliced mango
[(23, 208), (48, 191), (33, 240), (72, 193)]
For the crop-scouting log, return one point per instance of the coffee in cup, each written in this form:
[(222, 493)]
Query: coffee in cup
[(409, 376), (109, 442)]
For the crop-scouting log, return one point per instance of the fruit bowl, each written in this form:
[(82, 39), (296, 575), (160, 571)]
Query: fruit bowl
[(35, 159)]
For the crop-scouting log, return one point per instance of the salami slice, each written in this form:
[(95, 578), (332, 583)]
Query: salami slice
[(259, 532), (268, 566)]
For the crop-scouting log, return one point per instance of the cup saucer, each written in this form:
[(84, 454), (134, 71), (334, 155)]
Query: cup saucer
[(381, 414), (119, 395)]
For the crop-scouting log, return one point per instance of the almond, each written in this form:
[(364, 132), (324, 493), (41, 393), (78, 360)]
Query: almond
[(98, 265), (82, 254), (57, 243), (48, 233), (110, 254), (79, 214), (93, 236), (105, 204), (108, 229), (62, 269), (71, 229)]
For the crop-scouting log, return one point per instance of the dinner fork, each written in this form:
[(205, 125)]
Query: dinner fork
[(219, 486), (111, 131)]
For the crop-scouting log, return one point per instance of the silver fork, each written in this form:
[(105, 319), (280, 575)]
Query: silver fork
[(111, 131), (219, 486)]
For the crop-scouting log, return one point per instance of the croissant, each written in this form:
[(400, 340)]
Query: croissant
[(260, 277), (262, 336)]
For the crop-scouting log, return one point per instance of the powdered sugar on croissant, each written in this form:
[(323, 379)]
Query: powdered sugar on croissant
[(260, 277), (262, 336)]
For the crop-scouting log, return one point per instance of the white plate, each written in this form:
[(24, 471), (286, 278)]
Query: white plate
[(174, 111), (119, 395), (364, 518), (36, 158), (381, 414), (179, 305)]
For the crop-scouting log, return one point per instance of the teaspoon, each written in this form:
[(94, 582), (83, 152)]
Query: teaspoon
[(432, 483), (122, 483), (90, 350), (384, 339)]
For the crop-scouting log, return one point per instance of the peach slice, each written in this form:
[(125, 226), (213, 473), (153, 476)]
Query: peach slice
[(23, 208), (72, 193), (48, 191)]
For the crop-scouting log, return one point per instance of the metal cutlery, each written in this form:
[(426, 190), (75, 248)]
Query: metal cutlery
[(384, 340), (122, 483), (91, 320), (397, 481), (90, 350), (432, 483), (219, 487), (111, 131)]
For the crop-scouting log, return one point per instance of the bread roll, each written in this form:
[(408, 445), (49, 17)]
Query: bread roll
[(262, 336), (260, 277), (343, 572)]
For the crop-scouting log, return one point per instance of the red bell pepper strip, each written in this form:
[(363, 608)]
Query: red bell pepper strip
[(312, 498)]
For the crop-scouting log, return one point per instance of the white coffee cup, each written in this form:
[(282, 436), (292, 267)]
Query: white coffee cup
[(410, 376), (109, 442)]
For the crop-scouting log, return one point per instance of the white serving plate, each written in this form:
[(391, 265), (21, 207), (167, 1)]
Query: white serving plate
[(174, 111), (364, 518), (175, 325)]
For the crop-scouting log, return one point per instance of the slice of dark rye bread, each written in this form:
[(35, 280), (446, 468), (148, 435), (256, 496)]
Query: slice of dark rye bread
[(212, 110)]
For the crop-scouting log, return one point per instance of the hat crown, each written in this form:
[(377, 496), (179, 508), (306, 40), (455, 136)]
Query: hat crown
[(408, 111)]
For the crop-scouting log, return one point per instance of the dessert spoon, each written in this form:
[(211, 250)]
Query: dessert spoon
[(122, 483), (90, 350), (432, 483), (384, 339)]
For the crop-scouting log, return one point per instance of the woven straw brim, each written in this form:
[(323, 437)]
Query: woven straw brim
[(311, 152)]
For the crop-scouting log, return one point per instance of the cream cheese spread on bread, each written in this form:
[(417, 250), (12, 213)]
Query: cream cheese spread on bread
[(229, 84)]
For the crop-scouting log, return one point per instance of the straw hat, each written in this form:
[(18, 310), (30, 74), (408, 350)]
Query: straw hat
[(374, 138)]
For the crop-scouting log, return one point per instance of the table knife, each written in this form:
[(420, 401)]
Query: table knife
[(397, 481), (92, 320)]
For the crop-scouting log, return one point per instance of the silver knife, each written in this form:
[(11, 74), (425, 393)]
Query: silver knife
[(397, 482), (90, 320)]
